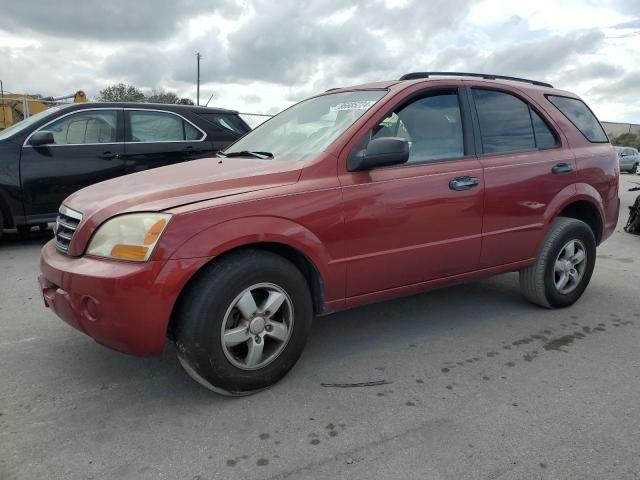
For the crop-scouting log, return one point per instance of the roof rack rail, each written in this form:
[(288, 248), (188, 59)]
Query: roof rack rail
[(332, 89), (416, 75)]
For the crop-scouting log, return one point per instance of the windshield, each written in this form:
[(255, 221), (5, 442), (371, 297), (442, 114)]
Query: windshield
[(308, 128), (27, 122)]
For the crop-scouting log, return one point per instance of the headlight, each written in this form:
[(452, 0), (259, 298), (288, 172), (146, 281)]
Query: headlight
[(129, 237)]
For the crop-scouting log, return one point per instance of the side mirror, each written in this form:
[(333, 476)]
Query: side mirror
[(380, 152), (41, 138)]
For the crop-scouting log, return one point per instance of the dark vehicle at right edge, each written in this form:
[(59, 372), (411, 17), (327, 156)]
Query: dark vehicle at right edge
[(629, 159)]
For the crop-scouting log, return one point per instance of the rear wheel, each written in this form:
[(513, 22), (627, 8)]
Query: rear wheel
[(243, 322), (634, 169), (563, 267)]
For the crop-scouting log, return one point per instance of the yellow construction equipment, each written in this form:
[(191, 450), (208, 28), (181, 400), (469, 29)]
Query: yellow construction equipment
[(15, 107)]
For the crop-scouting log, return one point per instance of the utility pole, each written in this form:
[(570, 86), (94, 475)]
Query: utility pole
[(4, 120), (198, 57)]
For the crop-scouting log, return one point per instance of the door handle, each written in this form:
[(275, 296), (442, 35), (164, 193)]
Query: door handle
[(190, 150), (562, 168), (463, 183), (109, 156)]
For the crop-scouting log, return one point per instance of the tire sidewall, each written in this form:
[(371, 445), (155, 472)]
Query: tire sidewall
[(576, 230), (199, 335)]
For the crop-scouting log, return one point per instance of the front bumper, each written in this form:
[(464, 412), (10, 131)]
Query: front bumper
[(123, 305)]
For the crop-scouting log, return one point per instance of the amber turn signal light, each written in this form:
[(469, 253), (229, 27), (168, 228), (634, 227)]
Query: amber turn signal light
[(129, 252), (154, 232)]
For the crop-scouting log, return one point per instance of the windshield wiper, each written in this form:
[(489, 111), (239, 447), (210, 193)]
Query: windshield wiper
[(247, 153)]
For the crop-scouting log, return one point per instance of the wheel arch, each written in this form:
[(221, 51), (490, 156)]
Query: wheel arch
[(587, 212), (306, 266), (584, 204)]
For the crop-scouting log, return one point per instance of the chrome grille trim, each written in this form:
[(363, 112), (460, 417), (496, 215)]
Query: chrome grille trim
[(66, 224)]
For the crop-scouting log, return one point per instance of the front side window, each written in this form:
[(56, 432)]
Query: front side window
[(580, 115), (309, 127), (150, 126), (432, 125), (92, 126), (505, 123)]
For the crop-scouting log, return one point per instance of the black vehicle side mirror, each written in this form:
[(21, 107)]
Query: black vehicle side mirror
[(41, 138), (380, 152)]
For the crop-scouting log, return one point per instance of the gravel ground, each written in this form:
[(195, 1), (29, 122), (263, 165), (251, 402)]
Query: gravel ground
[(477, 384)]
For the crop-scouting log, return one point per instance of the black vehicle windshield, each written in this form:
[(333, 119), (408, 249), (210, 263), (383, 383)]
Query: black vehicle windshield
[(309, 127), (26, 123)]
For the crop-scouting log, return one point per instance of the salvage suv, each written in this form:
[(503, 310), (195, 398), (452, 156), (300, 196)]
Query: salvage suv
[(353, 196)]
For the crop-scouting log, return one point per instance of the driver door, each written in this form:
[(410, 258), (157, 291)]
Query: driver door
[(411, 223), (87, 150)]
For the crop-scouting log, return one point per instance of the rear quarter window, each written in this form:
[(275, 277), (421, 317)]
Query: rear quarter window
[(581, 116), (226, 122)]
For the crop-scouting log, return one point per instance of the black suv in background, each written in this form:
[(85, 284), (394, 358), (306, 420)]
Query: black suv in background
[(48, 156)]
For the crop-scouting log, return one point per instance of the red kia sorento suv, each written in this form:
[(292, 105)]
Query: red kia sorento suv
[(353, 196)]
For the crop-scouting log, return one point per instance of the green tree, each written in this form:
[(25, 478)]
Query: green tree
[(160, 95), (627, 140), (121, 92)]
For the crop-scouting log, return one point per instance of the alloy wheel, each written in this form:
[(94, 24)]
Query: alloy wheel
[(257, 326), (570, 266)]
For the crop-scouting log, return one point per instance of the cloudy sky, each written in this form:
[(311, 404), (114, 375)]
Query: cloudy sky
[(262, 55)]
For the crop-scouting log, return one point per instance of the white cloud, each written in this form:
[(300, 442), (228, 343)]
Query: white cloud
[(261, 56)]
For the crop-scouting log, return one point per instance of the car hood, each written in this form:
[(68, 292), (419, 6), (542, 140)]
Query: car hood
[(180, 184)]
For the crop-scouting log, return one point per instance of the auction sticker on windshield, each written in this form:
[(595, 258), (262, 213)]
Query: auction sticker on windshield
[(359, 105)]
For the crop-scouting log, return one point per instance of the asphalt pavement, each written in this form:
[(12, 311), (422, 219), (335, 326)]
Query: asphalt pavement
[(470, 382)]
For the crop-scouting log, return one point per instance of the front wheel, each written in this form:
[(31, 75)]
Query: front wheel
[(563, 267), (634, 169), (243, 322)]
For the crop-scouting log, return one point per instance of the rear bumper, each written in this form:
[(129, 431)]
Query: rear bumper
[(123, 305), (612, 217)]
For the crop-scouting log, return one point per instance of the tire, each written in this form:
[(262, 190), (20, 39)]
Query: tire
[(214, 314), (24, 230), (542, 282), (634, 169)]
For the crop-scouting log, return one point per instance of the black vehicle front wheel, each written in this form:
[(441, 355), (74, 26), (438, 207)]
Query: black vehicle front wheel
[(243, 323)]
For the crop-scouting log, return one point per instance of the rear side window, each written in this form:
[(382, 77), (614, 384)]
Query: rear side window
[(225, 121), (580, 115), (151, 126), (505, 123), (191, 132)]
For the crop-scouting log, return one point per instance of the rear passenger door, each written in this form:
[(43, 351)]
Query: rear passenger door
[(155, 138), (524, 170)]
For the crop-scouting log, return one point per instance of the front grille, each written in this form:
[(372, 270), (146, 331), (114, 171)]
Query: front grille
[(66, 224)]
